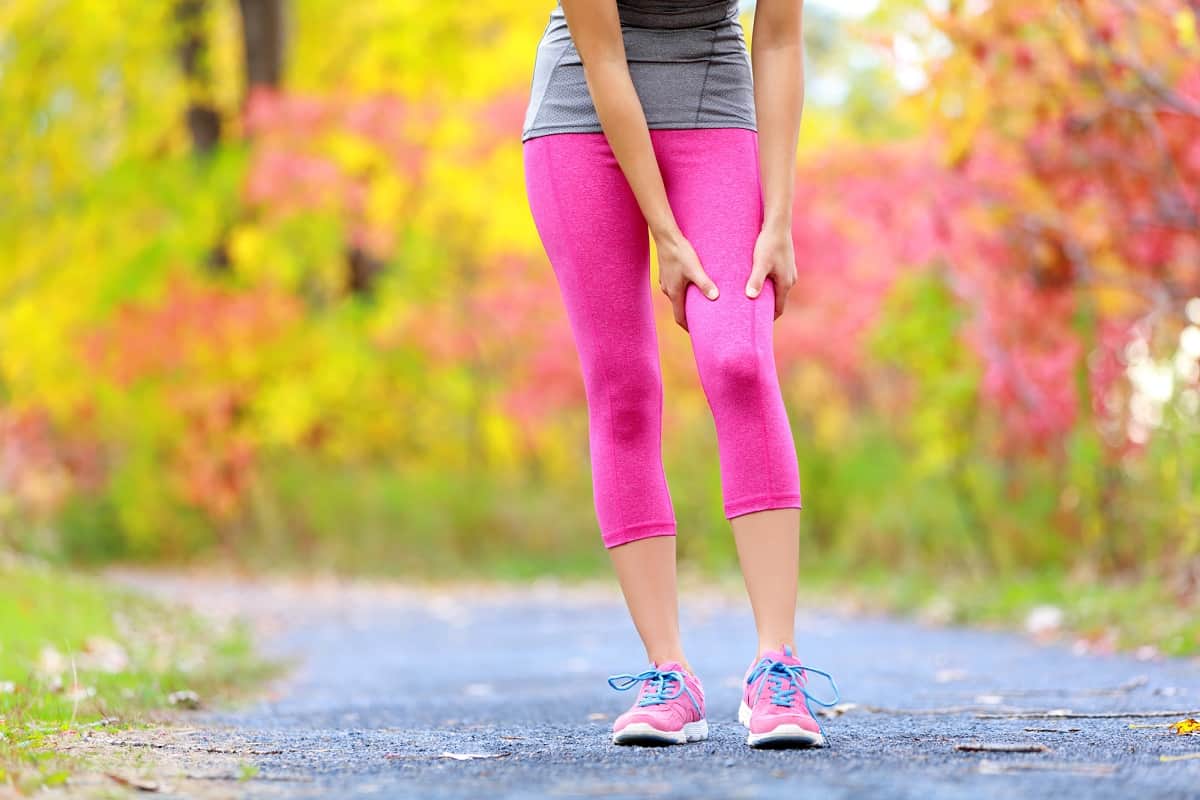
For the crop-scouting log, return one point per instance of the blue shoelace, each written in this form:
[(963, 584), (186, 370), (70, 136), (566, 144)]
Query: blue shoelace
[(659, 682), (784, 680)]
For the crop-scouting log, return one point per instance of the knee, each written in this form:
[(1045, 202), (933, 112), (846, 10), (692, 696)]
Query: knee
[(632, 400), (731, 372)]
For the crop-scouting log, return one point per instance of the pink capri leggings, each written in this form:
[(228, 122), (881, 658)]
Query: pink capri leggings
[(598, 244)]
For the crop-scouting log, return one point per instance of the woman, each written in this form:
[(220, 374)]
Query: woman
[(650, 114)]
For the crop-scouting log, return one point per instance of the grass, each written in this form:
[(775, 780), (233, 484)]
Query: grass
[(1108, 615), (78, 654), (916, 546)]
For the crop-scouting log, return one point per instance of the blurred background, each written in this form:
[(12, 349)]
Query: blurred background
[(271, 296)]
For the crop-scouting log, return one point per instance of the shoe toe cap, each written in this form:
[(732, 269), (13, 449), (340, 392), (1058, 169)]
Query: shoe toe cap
[(765, 721)]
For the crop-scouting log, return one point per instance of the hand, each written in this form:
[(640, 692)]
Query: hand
[(678, 265), (774, 257)]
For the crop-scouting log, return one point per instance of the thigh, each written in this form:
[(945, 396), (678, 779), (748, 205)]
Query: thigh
[(713, 185), (594, 235)]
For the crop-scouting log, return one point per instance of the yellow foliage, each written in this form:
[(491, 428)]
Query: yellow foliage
[(1186, 727), (355, 154), (500, 441), (1185, 27)]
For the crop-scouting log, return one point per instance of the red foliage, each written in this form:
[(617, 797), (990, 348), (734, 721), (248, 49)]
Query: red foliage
[(184, 344), (192, 322)]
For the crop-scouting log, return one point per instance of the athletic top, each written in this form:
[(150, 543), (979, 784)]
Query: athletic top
[(688, 60)]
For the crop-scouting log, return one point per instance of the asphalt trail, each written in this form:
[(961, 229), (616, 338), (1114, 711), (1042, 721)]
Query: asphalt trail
[(389, 680)]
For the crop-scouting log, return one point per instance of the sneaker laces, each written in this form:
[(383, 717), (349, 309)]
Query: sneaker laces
[(656, 684), (784, 680)]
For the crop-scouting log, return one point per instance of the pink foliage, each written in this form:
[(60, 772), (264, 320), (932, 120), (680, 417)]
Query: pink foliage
[(862, 217), (291, 169), (866, 216)]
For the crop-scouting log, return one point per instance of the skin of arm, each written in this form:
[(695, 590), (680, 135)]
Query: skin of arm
[(595, 29), (777, 55)]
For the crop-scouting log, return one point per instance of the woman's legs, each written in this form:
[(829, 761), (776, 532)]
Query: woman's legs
[(598, 245), (768, 548), (712, 181), (596, 240), (646, 571)]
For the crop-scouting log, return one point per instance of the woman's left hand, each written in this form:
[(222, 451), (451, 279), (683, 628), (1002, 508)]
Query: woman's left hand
[(774, 257)]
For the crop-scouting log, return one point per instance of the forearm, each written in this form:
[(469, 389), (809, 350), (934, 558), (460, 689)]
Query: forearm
[(596, 30), (624, 123), (778, 65)]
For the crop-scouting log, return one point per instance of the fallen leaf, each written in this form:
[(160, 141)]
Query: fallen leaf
[(838, 710), (1186, 727), (1001, 747), (136, 783), (988, 767), (470, 756), (1063, 713)]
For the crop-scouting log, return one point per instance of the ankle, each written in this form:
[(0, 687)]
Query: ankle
[(666, 656), (775, 644)]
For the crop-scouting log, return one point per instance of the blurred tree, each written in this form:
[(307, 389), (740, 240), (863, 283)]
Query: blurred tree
[(203, 118), (263, 41), (987, 313)]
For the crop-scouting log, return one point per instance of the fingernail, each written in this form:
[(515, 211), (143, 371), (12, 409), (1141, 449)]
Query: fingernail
[(751, 292), (712, 293)]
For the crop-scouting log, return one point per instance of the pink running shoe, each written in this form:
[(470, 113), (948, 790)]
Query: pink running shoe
[(775, 702), (669, 708)]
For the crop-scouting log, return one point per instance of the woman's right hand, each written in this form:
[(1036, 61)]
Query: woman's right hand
[(678, 265)]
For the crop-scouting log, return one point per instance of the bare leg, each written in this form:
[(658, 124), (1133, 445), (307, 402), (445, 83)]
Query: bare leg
[(768, 545), (646, 571), (599, 246), (718, 203)]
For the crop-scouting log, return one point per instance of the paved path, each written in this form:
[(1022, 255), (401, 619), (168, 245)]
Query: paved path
[(389, 680)]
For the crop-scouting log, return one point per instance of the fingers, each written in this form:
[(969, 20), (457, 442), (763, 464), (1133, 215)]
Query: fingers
[(706, 284), (679, 307), (677, 294), (676, 289), (757, 276), (783, 285)]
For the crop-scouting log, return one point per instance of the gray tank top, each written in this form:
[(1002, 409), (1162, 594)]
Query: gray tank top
[(688, 60)]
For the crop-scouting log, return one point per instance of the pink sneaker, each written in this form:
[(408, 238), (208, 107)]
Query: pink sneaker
[(669, 708), (775, 702)]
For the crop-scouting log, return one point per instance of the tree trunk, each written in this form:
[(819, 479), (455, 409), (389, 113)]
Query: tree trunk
[(203, 119), (262, 42)]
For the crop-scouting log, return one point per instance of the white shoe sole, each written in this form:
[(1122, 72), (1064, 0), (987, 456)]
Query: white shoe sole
[(792, 735), (645, 733)]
